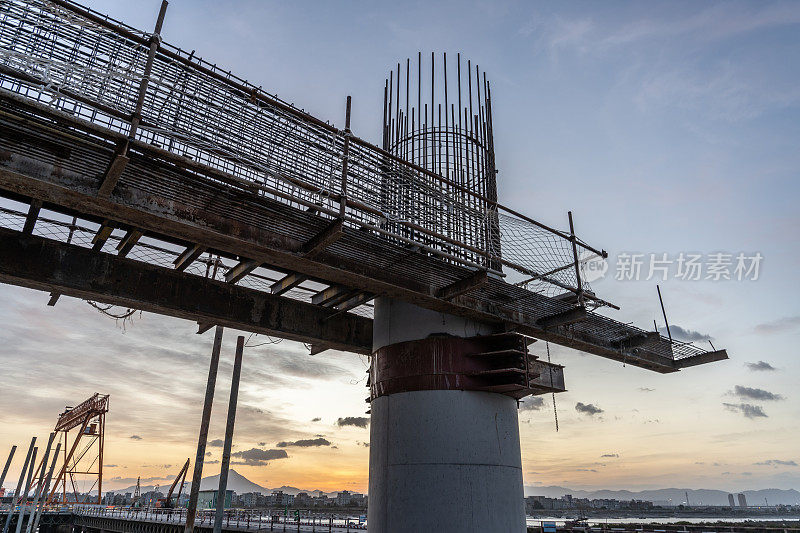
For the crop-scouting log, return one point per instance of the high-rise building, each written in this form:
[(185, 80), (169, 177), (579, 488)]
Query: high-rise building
[(742, 500), (731, 501)]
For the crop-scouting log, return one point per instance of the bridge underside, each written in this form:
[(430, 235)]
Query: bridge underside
[(175, 218)]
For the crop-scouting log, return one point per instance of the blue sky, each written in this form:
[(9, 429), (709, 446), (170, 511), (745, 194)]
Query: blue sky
[(665, 127)]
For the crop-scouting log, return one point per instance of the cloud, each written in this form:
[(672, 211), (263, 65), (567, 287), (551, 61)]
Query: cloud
[(587, 408), (761, 366), (686, 335), (534, 403), (357, 421), (585, 470), (778, 326), (776, 462), (258, 457), (755, 394), (214, 462), (262, 444), (748, 410), (610, 455), (216, 443), (136, 437), (110, 466), (316, 419), (305, 443)]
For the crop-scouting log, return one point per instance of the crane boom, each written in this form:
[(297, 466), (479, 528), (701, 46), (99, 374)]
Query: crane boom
[(182, 476)]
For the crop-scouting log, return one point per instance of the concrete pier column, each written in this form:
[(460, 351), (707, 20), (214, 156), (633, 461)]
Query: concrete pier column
[(440, 460)]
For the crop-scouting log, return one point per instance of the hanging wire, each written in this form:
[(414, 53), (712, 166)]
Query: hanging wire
[(270, 341), (125, 316), (555, 410)]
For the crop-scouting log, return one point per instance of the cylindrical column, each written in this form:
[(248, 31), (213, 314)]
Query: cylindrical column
[(441, 460)]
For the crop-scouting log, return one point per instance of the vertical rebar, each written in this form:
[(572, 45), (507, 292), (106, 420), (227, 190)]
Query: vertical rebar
[(226, 450), (664, 312), (155, 41), (575, 257), (345, 157), (204, 422), (19, 484)]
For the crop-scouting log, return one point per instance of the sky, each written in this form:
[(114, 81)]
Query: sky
[(667, 128)]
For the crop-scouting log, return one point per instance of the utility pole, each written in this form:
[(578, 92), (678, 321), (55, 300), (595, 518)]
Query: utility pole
[(226, 450), (8, 463), (19, 484), (203, 438)]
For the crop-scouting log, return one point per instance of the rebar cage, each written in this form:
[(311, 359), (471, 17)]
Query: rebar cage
[(431, 186)]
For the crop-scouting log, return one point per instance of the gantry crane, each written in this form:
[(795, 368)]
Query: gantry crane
[(90, 419)]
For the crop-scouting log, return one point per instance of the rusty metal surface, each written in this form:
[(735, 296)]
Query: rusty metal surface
[(39, 263), (178, 205), (57, 147), (492, 363), (94, 406)]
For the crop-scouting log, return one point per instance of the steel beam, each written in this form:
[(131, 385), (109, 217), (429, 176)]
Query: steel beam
[(188, 256), (241, 270), (156, 194), (102, 235), (128, 242), (112, 175), (323, 239), (332, 296), (463, 286), (287, 283), (708, 357), (355, 301), (570, 316), (33, 214), (43, 264)]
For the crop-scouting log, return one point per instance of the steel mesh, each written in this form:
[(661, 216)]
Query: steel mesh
[(59, 57)]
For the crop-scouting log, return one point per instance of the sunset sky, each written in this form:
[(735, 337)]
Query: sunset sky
[(666, 128)]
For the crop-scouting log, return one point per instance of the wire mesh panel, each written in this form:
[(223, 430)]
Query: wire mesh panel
[(432, 185)]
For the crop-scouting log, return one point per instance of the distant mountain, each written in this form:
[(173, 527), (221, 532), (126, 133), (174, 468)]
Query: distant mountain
[(676, 496), (236, 482)]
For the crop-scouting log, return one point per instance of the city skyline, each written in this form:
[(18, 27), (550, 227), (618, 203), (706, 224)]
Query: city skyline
[(623, 102)]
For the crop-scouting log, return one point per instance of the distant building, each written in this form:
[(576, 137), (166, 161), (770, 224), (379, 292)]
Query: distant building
[(731, 501), (742, 500), (280, 499), (207, 499)]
